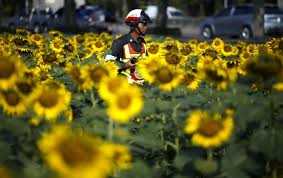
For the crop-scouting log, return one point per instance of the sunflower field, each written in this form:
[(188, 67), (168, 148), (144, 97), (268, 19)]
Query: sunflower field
[(206, 109)]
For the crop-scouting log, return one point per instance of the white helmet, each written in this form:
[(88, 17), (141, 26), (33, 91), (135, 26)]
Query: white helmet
[(137, 16)]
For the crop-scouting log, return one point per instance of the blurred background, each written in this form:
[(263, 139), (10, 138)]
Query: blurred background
[(181, 18)]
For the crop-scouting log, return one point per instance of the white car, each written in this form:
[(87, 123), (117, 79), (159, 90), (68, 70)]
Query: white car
[(172, 12)]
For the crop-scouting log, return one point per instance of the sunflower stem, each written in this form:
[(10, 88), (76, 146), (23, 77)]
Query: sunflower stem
[(110, 129), (177, 143), (209, 154), (78, 57), (93, 102)]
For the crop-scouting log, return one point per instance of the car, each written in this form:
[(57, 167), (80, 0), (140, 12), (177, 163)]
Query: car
[(35, 20), (83, 18), (239, 20), (172, 12)]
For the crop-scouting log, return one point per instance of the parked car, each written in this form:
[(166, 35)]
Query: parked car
[(36, 20), (239, 20), (172, 12), (83, 17)]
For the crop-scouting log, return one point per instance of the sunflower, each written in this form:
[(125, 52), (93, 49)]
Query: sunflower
[(202, 47), (119, 154), (209, 131), (42, 73), (264, 65), (51, 98), (18, 41), (70, 47), (218, 73), (175, 59), (212, 53), (57, 45), (244, 55), (147, 65), (228, 50), (153, 48), (22, 32), (204, 61), (47, 58), (5, 50), (13, 102), (98, 46), (168, 77), (169, 46), (110, 86), (11, 68), (74, 154), (217, 44), (96, 72), (252, 49), (191, 80), (37, 39), (79, 39), (26, 87), (187, 50), (193, 43), (125, 104), (78, 73)]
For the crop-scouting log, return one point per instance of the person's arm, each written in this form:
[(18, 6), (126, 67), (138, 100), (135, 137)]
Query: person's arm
[(116, 55)]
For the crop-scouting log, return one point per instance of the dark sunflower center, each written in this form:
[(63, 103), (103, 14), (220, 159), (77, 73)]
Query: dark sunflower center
[(36, 38), (189, 78), (210, 128), (212, 74), (124, 101), (69, 47), (76, 74), (97, 73), (12, 98), (186, 50), (171, 47), (211, 53), (24, 87), (20, 41), (80, 39), (217, 43), (76, 151), (153, 49), (98, 44), (49, 99), (7, 68), (246, 55), (49, 58), (266, 66), (172, 59), (113, 86), (57, 45), (164, 75), (227, 48)]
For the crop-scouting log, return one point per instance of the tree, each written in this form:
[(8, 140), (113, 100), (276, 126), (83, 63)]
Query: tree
[(161, 20), (259, 18), (69, 13)]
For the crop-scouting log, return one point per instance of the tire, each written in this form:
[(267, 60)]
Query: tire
[(207, 32), (246, 33)]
